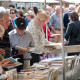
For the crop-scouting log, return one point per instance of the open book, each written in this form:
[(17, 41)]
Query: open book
[(11, 61), (55, 45), (23, 49)]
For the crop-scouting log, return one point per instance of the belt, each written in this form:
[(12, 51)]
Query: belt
[(58, 29)]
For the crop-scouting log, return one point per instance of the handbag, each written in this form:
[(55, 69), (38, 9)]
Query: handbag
[(78, 35)]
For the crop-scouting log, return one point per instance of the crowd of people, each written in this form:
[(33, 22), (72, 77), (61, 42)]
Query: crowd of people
[(35, 27)]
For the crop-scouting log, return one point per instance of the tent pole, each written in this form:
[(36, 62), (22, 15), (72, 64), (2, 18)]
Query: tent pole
[(45, 5), (62, 39), (46, 24)]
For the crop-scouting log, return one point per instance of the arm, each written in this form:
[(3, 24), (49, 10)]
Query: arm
[(52, 29), (2, 51), (68, 32)]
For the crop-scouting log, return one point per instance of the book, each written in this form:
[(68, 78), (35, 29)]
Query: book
[(10, 60), (55, 45), (23, 49)]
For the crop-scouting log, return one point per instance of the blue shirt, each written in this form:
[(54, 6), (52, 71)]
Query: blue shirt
[(65, 19), (55, 21)]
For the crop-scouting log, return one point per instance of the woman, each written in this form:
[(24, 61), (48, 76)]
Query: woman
[(72, 30)]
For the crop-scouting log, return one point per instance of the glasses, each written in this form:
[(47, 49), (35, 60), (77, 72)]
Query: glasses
[(12, 13)]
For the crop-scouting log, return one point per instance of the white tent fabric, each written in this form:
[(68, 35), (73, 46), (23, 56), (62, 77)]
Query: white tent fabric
[(42, 1), (47, 1)]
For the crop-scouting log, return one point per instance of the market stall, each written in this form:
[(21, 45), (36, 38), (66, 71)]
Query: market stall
[(50, 69)]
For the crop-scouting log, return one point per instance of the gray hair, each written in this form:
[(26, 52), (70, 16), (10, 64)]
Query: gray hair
[(71, 7), (57, 7)]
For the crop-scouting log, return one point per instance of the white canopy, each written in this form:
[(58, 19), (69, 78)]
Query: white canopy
[(42, 1), (47, 1)]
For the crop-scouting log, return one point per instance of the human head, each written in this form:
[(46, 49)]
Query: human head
[(47, 12), (30, 15), (66, 10), (48, 9), (57, 9), (4, 20), (73, 16), (72, 7), (13, 13), (41, 18), (35, 10), (11, 6), (20, 25), (78, 9), (20, 13)]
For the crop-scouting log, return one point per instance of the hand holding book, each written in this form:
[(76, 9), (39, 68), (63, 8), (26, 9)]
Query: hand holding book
[(22, 49)]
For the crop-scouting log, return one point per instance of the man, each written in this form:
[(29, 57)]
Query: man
[(35, 28), (4, 41), (54, 23), (3, 20), (20, 37)]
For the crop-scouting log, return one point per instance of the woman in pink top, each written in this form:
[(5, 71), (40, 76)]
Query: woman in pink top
[(50, 35)]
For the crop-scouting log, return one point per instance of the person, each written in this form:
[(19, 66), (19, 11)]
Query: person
[(20, 13), (54, 24), (22, 38), (35, 10), (13, 17), (4, 41), (30, 16), (49, 34), (3, 76), (72, 30), (35, 28), (2, 72), (66, 18)]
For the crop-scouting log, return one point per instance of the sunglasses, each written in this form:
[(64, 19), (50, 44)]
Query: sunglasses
[(12, 13)]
